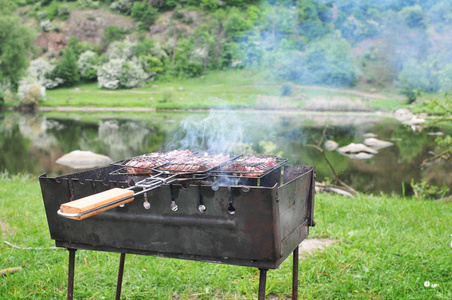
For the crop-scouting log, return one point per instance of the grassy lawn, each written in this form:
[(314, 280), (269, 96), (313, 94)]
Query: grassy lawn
[(386, 249), (231, 89)]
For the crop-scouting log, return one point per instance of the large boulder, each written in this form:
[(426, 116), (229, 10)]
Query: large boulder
[(330, 145), (403, 114), (376, 143), (83, 160), (356, 148)]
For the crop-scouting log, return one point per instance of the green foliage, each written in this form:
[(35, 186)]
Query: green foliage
[(145, 13), (435, 107), (15, 45), (414, 16), (326, 61), (423, 190), (87, 65), (63, 12), (416, 77), (312, 19), (67, 69), (79, 47), (113, 33), (236, 25)]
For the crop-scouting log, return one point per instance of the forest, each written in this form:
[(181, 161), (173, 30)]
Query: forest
[(389, 45)]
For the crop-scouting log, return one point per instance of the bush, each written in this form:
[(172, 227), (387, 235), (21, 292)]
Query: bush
[(31, 94), (416, 78), (122, 6), (423, 190), (87, 65), (113, 33), (67, 69), (63, 12), (145, 13), (414, 16), (45, 25), (119, 73), (236, 25)]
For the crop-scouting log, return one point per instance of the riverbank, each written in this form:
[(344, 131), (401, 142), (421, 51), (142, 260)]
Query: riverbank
[(232, 89), (386, 247)]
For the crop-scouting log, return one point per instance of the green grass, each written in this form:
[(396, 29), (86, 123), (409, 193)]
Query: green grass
[(231, 89), (386, 249)]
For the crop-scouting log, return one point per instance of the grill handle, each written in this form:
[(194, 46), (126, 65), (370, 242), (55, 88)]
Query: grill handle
[(94, 204)]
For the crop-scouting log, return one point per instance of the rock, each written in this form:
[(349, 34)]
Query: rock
[(83, 159), (370, 135), (414, 121), (330, 145), (377, 144), (403, 114), (356, 148), (360, 155), (439, 133)]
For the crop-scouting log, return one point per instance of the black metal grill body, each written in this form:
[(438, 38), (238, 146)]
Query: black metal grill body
[(270, 220)]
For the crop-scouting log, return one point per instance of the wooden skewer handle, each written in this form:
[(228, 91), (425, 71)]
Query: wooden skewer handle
[(94, 204)]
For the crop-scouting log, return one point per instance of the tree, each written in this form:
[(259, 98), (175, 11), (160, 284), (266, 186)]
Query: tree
[(145, 13), (67, 68), (15, 45)]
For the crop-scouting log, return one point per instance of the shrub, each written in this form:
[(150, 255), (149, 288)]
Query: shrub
[(236, 25), (145, 13), (415, 78), (63, 12), (31, 94), (122, 6), (87, 65), (41, 15), (119, 73), (45, 25), (425, 191), (67, 68), (113, 33)]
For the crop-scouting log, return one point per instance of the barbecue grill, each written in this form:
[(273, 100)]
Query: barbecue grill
[(222, 212)]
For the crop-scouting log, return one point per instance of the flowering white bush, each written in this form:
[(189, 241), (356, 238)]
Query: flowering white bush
[(87, 65), (132, 75), (122, 6), (121, 73), (31, 93), (108, 74), (45, 25), (121, 49), (38, 69)]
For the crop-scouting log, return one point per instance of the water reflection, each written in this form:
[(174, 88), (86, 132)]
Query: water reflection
[(32, 143)]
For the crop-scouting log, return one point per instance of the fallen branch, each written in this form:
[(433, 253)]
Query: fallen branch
[(348, 188), (346, 267), (445, 199), (323, 187), (446, 155), (30, 248), (10, 271), (350, 264)]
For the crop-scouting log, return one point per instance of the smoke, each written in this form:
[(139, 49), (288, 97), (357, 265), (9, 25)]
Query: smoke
[(326, 42), (219, 132)]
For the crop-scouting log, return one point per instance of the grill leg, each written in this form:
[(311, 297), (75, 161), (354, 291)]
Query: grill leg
[(120, 273), (295, 275), (70, 275), (262, 283)]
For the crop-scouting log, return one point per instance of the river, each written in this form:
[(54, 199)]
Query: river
[(31, 143)]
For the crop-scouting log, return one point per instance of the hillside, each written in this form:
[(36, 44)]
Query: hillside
[(126, 43)]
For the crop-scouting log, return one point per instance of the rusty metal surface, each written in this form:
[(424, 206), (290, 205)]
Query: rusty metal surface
[(268, 224)]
